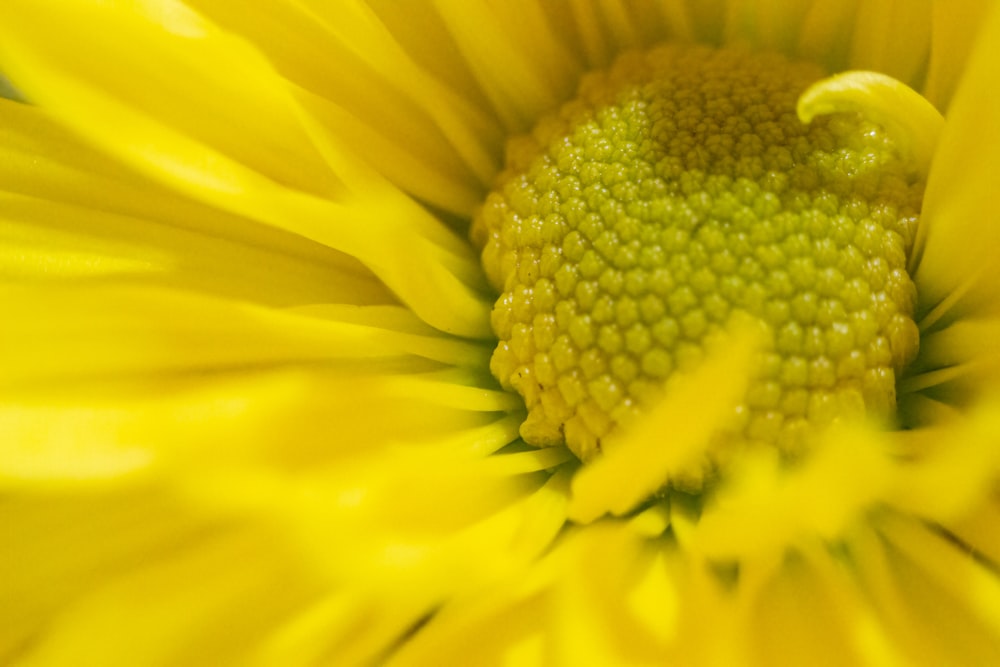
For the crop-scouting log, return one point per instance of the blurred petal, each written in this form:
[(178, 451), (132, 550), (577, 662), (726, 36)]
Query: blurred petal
[(771, 26), (954, 24), (409, 249), (46, 242), (955, 268), (667, 441), (61, 66), (825, 33), (346, 56), (959, 363), (948, 470), (55, 437), (83, 214), (205, 604), (808, 612), (519, 86), (893, 37), (73, 333), (106, 533), (941, 605), (977, 529), (768, 506)]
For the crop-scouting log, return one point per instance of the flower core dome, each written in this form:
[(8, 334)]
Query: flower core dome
[(680, 192)]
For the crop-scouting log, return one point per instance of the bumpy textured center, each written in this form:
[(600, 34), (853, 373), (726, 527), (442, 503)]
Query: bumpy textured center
[(678, 190)]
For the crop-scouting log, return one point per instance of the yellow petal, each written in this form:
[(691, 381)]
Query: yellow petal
[(944, 593), (773, 26), (825, 35), (671, 437), (806, 614), (405, 163), (207, 604), (764, 507), (977, 528), (708, 18), (61, 66), (8, 91), (519, 86), (557, 612), (456, 567), (345, 627), (45, 162), (910, 120), (592, 621), (958, 363), (57, 548), (956, 272), (66, 333), (590, 31), (343, 54), (120, 433), (414, 254), (409, 45), (892, 37), (43, 241), (953, 31), (948, 470)]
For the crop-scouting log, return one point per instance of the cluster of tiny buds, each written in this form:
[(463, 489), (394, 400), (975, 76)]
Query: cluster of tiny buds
[(680, 189)]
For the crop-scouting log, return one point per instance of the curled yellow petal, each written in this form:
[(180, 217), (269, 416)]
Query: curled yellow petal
[(908, 117)]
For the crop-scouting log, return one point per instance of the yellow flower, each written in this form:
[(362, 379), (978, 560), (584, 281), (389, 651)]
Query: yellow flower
[(246, 409)]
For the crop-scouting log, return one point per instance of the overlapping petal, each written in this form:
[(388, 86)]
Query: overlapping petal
[(192, 137), (955, 270)]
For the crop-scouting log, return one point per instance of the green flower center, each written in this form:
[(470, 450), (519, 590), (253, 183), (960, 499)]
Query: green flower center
[(680, 190)]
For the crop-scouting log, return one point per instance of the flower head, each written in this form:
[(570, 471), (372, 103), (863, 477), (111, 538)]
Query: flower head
[(483, 333)]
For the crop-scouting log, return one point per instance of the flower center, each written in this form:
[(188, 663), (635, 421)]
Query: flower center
[(678, 191)]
